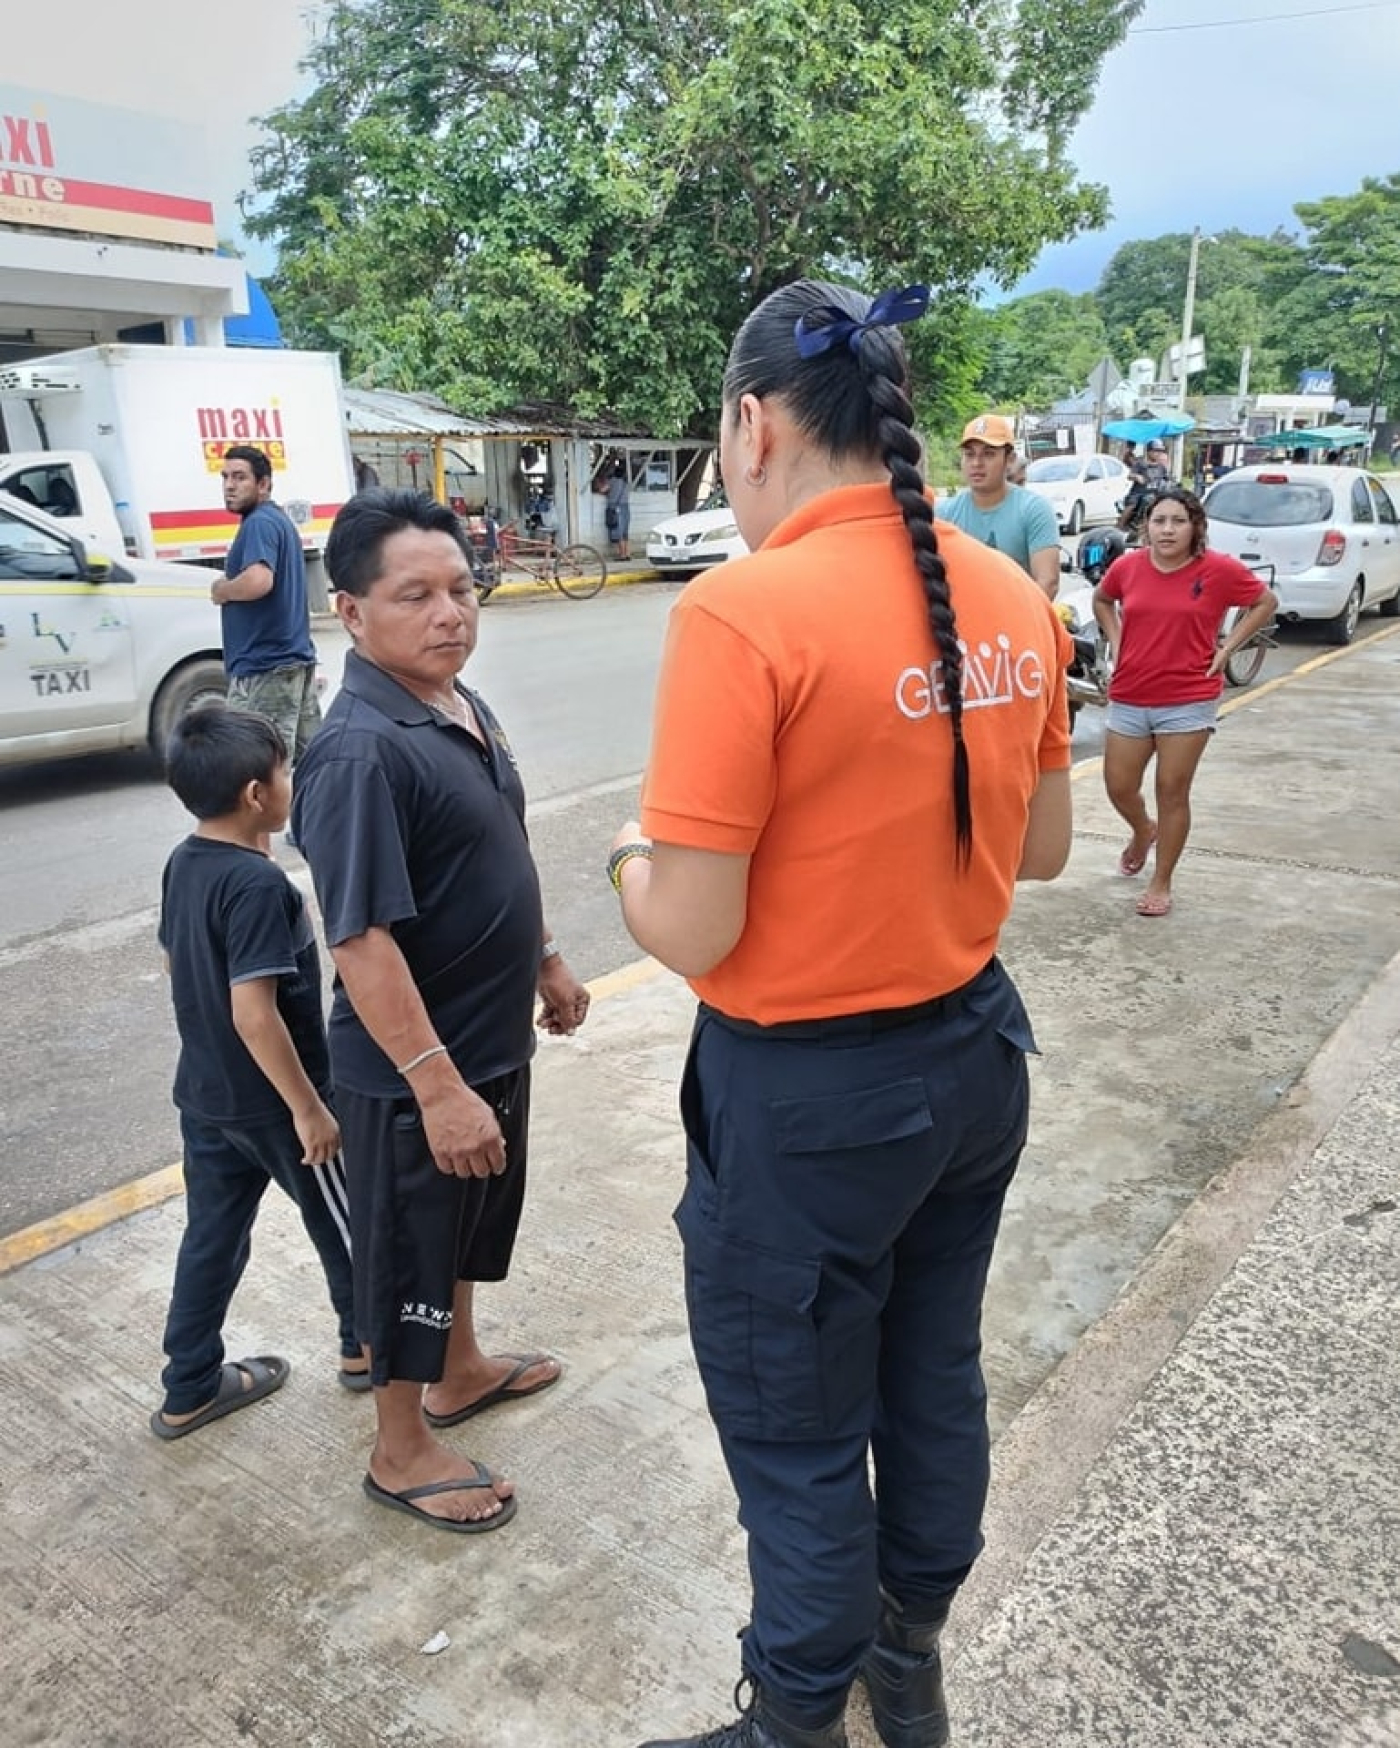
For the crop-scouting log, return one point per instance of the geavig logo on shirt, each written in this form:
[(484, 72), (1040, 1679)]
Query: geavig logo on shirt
[(991, 676)]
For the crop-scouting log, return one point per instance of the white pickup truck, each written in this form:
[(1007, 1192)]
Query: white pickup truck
[(96, 653), (125, 444)]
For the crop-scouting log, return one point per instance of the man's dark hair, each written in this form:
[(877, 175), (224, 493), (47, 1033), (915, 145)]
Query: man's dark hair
[(256, 459), (355, 547), (214, 753), (856, 403)]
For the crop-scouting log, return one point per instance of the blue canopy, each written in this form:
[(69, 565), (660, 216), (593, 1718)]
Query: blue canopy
[(1144, 430)]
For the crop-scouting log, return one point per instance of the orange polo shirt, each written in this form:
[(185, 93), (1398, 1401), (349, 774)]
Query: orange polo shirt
[(800, 720)]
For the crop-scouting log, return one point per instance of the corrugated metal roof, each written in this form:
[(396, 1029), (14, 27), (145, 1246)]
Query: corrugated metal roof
[(380, 412)]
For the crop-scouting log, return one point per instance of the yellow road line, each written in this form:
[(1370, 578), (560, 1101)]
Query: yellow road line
[(141, 1193), (89, 1217), (1252, 693)]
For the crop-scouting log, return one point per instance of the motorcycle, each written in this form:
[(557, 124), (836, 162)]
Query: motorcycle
[(1091, 668)]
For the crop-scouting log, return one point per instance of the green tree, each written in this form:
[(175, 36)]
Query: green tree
[(1041, 348), (506, 200), (1333, 312), (1239, 279)]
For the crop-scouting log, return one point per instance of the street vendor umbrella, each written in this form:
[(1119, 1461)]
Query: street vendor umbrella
[(1144, 430)]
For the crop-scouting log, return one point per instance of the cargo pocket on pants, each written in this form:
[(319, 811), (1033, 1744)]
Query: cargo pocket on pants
[(754, 1330)]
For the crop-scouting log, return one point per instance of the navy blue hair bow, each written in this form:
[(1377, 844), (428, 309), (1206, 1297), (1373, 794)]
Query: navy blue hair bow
[(891, 309)]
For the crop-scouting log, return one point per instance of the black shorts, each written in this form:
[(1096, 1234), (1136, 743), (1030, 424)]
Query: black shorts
[(415, 1231)]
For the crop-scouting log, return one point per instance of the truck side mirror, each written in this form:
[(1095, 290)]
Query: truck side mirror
[(95, 566)]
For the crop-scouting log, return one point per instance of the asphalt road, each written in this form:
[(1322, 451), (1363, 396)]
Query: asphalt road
[(85, 1030)]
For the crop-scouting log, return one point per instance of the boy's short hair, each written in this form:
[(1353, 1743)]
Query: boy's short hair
[(214, 753)]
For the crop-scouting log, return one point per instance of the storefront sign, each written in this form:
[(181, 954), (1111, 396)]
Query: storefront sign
[(70, 166)]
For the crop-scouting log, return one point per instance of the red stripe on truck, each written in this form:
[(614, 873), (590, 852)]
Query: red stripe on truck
[(219, 520)]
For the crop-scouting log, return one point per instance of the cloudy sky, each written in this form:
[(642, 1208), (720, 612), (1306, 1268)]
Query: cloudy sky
[(1227, 126), (1196, 122)]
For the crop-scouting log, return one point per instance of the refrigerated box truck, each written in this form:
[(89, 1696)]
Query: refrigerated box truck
[(125, 444)]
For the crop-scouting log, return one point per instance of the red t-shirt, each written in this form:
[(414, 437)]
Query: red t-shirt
[(1170, 620)]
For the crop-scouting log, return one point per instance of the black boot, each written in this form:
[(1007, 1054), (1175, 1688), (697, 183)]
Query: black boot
[(903, 1675), (759, 1726)]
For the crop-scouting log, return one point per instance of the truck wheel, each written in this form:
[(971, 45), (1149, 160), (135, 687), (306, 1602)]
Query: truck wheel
[(196, 683)]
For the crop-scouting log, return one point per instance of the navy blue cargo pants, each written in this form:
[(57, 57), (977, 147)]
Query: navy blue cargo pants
[(845, 1181)]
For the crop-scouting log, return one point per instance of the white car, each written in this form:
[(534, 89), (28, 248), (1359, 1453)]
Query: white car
[(1330, 533), (1079, 488), (96, 653), (696, 540)]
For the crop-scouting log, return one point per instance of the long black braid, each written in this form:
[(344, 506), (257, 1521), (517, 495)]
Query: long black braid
[(900, 449), (818, 391)]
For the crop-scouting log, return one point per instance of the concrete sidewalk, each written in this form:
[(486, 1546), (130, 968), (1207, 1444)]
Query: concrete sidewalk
[(1191, 1351)]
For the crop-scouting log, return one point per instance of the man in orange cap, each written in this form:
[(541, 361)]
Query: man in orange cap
[(999, 514)]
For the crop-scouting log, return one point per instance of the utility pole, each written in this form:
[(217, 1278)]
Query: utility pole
[(1383, 335), (1188, 315)]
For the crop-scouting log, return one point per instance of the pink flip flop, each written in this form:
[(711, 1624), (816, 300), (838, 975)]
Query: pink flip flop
[(1129, 864), (1153, 904)]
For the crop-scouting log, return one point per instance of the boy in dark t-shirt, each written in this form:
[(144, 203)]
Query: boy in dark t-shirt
[(254, 1071)]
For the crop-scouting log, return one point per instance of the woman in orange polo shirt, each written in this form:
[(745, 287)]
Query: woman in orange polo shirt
[(861, 743)]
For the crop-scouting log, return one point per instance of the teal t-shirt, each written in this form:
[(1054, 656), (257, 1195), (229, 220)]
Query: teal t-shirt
[(1022, 523)]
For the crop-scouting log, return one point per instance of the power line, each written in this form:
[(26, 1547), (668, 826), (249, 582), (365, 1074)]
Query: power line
[(1265, 18)]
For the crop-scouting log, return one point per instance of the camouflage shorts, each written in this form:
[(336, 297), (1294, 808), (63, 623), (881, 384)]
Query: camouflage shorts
[(286, 696)]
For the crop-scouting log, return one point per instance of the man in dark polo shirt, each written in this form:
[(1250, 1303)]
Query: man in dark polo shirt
[(411, 814)]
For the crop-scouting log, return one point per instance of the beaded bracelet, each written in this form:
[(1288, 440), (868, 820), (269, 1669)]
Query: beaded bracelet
[(620, 857)]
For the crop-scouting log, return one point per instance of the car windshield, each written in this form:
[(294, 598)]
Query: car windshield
[(1054, 467), (1278, 502)]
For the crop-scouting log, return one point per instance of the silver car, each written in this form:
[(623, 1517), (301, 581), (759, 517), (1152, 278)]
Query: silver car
[(1331, 534)]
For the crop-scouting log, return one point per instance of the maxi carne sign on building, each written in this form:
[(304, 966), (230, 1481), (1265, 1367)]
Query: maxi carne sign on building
[(70, 166)]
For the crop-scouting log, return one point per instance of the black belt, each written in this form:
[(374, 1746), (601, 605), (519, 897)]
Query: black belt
[(850, 1026)]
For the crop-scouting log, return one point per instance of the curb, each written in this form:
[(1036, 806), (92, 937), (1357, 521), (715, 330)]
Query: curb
[(1042, 1459), (63, 1230)]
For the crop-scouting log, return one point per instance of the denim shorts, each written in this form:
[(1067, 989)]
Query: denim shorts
[(1142, 721)]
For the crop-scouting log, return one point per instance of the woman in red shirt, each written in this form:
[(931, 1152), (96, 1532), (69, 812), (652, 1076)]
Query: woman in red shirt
[(1160, 608)]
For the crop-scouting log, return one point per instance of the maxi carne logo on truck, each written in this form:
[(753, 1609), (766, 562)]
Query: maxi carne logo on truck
[(221, 427)]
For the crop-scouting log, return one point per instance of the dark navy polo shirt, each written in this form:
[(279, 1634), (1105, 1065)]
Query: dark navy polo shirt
[(230, 915), (273, 631), (410, 824)]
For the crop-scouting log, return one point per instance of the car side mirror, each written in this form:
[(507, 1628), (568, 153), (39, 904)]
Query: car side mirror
[(95, 566)]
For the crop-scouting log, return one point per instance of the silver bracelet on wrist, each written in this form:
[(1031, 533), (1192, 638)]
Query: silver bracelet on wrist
[(422, 1057)]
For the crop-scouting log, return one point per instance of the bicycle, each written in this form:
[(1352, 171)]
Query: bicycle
[(577, 571), (1244, 664)]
